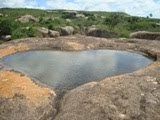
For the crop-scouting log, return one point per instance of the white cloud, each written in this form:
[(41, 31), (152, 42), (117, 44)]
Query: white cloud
[(140, 7), (19, 3), (133, 7)]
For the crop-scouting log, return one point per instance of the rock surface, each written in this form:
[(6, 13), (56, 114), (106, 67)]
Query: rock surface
[(6, 37), (68, 30), (1, 15), (96, 32), (146, 35), (48, 33), (116, 98), (27, 18), (53, 33), (43, 31), (80, 15), (22, 99), (132, 96)]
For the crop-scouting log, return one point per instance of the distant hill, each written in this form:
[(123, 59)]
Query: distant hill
[(118, 23)]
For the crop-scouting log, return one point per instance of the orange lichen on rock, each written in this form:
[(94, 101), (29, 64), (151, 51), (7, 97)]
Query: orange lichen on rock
[(75, 45), (12, 83), (13, 49)]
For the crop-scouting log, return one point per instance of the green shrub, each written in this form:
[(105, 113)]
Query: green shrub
[(50, 26), (18, 34), (69, 15), (6, 27), (115, 22), (23, 33), (112, 21)]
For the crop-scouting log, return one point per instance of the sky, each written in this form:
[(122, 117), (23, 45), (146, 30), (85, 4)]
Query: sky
[(133, 7)]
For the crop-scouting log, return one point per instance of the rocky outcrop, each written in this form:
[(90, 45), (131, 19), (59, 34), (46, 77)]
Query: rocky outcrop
[(67, 30), (21, 99), (53, 33), (158, 24), (80, 15), (48, 33), (6, 37), (28, 18), (132, 96), (43, 31), (146, 35), (116, 98), (1, 15), (96, 32), (68, 20)]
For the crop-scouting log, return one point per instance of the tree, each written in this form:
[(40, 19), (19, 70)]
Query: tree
[(5, 27), (112, 21), (151, 15)]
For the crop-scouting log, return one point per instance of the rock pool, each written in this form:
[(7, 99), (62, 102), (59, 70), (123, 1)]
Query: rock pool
[(62, 69)]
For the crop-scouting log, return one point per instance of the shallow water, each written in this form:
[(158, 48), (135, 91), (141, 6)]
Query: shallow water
[(60, 69)]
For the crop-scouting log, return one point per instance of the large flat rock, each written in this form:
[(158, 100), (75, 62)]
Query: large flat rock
[(132, 96), (125, 97), (21, 99)]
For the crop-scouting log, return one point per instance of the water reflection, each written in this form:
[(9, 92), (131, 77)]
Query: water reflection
[(67, 69)]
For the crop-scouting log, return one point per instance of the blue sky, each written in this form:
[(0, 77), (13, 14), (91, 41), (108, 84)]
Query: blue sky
[(41, 2), (132, 7)]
